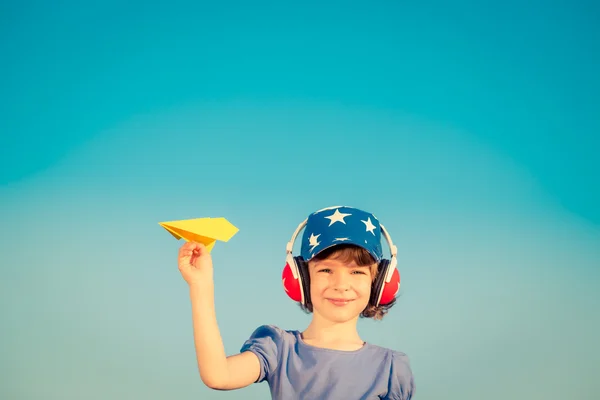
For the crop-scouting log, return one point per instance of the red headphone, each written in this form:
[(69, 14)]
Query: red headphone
[(296, 280)]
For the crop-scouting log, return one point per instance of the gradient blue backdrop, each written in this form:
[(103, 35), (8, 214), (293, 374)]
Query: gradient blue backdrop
[(470, 129)]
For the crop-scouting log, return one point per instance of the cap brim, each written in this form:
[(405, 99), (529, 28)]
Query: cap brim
[(346, 242)]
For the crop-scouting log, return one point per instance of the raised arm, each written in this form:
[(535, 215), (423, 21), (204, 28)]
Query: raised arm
[(217, 371)]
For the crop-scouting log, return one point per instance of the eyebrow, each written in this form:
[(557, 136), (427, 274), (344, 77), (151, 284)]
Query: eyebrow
[(323, 264)]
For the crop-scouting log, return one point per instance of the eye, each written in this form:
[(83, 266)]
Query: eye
[(324, 270), (359, 272)]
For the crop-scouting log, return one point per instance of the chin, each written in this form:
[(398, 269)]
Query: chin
[(337, 318)]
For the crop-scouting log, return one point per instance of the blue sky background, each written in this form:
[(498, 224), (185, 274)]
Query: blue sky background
[(471, 130)]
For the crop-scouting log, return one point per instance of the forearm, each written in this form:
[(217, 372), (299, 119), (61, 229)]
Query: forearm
[(210, 352)]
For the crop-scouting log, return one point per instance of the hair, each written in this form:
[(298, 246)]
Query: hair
[(362, 258)]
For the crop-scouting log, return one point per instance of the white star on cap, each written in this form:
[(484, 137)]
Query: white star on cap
[(313, 241), (369, 225), (337, 216)]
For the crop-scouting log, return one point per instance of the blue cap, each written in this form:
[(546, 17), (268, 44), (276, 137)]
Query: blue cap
[(332, 226)]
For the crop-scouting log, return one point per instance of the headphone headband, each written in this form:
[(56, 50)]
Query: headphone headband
[(290, 245)]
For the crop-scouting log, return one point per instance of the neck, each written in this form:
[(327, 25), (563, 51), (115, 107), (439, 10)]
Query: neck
[(323, 332)]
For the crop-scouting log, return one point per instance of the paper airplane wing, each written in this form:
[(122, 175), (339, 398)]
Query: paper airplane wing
[(202, 230)]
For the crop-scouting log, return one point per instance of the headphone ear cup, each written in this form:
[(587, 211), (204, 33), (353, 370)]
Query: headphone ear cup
[(291, 280), (304, 279), (377, 285), (390, 289), (384, 293)]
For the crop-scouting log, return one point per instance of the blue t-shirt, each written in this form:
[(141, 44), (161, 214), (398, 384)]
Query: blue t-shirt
[(297, 370)]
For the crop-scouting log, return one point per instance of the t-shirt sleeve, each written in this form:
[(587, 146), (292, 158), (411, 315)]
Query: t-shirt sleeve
[(402, 382), (265, 342)]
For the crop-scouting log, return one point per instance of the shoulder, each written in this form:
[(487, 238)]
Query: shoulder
[(264, 336), (268, 343), (398, 372), (271, 333), (401, 365), (402, 382)]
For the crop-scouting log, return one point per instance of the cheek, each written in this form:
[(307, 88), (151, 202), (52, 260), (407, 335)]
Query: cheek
[(364, 287), (317, 285)]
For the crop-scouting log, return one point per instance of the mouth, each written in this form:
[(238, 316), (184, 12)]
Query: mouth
[(339, 302)]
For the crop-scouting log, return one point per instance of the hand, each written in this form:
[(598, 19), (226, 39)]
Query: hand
[(195, 263)]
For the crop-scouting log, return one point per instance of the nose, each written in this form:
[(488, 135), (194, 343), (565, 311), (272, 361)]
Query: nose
[(340, 281)]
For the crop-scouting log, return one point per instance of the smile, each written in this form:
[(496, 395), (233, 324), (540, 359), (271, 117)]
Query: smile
[(339, 302)]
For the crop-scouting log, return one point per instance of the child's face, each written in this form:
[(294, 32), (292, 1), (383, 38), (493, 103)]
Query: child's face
[(339, 291)]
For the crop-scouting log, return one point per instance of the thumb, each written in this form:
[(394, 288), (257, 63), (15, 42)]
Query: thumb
[(186, 253), (200, 253)]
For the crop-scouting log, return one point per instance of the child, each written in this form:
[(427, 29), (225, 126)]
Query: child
[(340, 276)]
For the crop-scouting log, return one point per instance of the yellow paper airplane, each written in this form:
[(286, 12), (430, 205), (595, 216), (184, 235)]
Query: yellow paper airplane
[(202, 230)]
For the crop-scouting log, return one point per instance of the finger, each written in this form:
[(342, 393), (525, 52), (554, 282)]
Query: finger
[(200, 251), (183, 264), (187, 247), (185, 253), (188, 257), (197, 246)]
